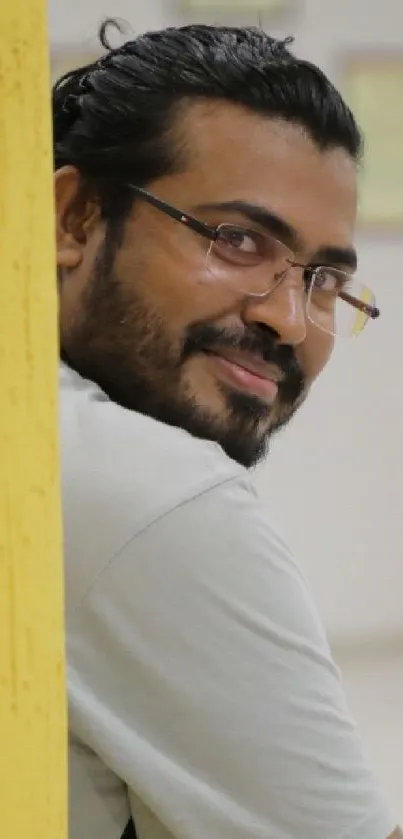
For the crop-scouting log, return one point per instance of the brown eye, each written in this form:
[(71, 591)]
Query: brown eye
[(330, 280), (240, 245)]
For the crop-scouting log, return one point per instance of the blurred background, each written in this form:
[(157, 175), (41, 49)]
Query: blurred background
[(334, 481)]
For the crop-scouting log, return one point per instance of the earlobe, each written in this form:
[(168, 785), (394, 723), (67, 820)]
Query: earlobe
[(68, 256)]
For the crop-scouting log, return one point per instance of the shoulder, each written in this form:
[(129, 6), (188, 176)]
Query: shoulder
[(101, 440), (122, 471)]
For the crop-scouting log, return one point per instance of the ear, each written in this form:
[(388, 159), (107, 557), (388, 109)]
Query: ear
[(76, 217)]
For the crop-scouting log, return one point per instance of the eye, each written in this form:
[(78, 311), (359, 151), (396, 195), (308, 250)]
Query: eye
[(238, 244), (329, 280), (240, 239)]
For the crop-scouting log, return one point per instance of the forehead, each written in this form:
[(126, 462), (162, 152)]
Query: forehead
[(233, 153)]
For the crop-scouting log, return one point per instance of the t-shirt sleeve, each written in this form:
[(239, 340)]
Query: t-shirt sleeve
[(200, 674)]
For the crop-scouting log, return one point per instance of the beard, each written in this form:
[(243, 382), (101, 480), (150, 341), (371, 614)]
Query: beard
[(124, 345)]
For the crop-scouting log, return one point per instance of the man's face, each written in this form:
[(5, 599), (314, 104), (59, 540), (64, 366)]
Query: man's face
[(150, 322)]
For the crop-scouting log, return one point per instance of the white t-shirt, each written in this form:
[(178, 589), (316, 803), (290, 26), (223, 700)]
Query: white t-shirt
[(204, 702)]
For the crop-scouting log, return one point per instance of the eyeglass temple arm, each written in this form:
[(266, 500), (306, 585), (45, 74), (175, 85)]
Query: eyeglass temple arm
[(178, 215), (371, 311)]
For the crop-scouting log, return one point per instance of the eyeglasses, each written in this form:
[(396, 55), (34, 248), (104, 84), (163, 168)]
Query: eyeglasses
[(253, 263)]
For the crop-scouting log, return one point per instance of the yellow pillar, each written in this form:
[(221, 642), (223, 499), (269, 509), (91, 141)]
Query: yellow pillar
[(32, 706)]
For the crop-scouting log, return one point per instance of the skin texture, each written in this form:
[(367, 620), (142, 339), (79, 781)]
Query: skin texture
[(139, 316)]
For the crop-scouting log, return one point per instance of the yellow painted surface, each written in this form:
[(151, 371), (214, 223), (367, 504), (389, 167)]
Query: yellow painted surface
[(32, 705)]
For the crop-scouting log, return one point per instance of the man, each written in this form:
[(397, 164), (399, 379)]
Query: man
[(206, 200)]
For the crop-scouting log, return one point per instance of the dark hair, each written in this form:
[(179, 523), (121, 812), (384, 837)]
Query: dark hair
[(112, 118)]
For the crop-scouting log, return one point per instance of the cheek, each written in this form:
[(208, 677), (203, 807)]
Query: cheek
[(314, 353), (170, 276)]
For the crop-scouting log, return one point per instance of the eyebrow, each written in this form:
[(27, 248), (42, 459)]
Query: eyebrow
[(327, 255), (347, 257)]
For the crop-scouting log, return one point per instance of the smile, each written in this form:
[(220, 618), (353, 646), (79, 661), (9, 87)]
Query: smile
[(246, 373)]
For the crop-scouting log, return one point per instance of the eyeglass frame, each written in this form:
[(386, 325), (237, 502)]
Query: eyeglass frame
[(212, 233)]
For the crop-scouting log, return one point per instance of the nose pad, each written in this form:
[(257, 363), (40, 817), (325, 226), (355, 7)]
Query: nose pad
[(276, 280), (282, 308)]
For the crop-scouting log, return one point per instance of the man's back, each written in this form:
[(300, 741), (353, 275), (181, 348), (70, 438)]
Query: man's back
[(203, 699), (156, 468), (111, 454)]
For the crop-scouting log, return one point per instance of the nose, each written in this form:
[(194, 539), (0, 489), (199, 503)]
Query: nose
[(283, 309)]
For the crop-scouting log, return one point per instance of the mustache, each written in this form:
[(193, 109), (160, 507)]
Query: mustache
[(259, 341)]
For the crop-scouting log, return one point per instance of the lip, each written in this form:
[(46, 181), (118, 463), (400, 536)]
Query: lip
[(247, 373)]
